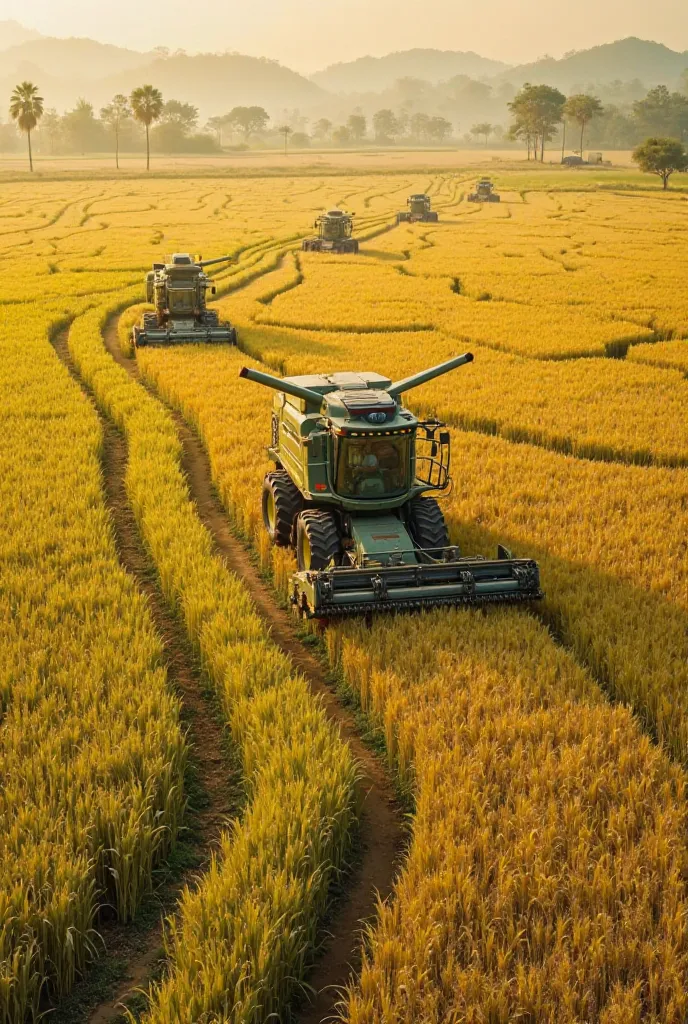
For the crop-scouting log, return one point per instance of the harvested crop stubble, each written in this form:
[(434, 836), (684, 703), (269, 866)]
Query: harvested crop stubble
[(540, 875), (92, 755), (241, 941)]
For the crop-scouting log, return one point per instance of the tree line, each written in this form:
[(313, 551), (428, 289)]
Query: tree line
[(539, 113)]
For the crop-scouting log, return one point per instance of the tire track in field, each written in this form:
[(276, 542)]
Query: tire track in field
[(382, 833), (207, 740)]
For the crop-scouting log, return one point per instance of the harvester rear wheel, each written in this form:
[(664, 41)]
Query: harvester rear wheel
[(427, 526), (317, 540), (282, 503)]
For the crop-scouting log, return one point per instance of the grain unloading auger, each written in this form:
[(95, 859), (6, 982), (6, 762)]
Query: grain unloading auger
[(178, 291), (349, 492)]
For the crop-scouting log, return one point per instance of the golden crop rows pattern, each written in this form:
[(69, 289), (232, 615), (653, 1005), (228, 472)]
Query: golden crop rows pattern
[(92, 754), (546, 875)]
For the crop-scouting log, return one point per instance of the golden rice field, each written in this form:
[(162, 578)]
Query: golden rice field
[(544, 752)]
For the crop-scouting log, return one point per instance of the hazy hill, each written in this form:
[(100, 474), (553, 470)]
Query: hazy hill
[(76, 59), (12, 34), (217, 82), (624, 60), (374, 74)]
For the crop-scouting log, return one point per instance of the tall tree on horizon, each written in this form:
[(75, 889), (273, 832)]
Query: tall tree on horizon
[(147, 104), (113, 115), (582, 108), (26, 108)]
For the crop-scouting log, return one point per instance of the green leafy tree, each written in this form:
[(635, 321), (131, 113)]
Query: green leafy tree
[(114, 115), (342, 135), (385, 126), (661, 156), (536, 112), (248, 119), (358, 126), (183, 115), (26, 108), (321, 129), (482, 130), (147, 105), (84, 132), (582, 109), (51, 124), (662, 113), (439, 128), (419, 126)]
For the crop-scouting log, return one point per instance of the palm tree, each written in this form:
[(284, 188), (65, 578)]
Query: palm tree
[(286, 131), (146, 105), (114, 114), (26, 108)]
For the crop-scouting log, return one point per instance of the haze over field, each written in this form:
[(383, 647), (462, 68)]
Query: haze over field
[(309, 35)]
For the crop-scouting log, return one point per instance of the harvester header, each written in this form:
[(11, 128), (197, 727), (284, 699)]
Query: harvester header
[(349, 492)]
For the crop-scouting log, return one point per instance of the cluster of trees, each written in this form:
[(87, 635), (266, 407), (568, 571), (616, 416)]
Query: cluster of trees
[(541, 112), (140, 120)]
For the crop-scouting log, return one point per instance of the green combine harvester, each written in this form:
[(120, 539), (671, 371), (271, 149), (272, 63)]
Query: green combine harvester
[(419, 209), (349, 492), (484, 193), (178, 291), (335, 229)]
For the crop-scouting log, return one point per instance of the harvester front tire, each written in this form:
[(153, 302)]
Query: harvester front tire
[(282, 502), (427, 526), (317, 540), (150, 321)]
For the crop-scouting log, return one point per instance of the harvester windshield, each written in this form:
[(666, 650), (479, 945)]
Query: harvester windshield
[(373, 467), (181, 296)]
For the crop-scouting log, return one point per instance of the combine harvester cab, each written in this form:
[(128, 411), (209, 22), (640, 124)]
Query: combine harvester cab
[(349, 493), (335, 229), (419, 209), (178, 291), (484, 193)]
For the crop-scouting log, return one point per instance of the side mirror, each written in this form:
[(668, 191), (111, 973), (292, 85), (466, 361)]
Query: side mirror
[(444, 437), (213, 290)]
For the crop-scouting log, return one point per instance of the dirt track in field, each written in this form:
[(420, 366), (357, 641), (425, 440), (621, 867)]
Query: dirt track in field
[(205, 734), (382, 832)]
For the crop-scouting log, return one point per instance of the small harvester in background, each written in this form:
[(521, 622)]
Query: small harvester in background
[(351, 492), (335, 229), (419, 209), (484, 193), (178, 290)]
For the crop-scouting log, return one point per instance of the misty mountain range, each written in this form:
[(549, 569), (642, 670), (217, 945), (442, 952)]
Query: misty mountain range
[(66, 69)]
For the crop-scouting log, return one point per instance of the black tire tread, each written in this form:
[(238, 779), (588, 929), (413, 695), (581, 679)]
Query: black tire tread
[(322, 532), (288, 504), (428, 527)]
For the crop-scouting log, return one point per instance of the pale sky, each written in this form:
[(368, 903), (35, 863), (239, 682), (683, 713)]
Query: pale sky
[(310, 34)]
